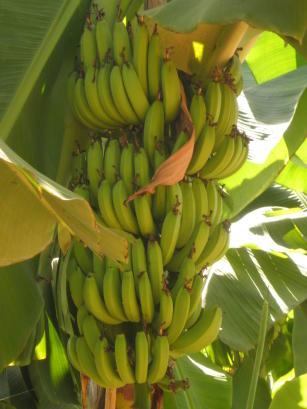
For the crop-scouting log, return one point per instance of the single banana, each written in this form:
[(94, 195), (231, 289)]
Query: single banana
[(134, 90), (169, 234), (164, 319), (201, 199), (88, 46), (146, 298), (203, 149), (144, 216), (83, 256), (153, 128), (173, 198), (219, 210), (94, 303), (105, 363), (112, 293), (78, 168), (188, 214), (126, 167), (140, 50), (234, 70), (141, 357), (239, 87), (105, 204), (109, 8), (105, 94), (81, 314), (91, 331), (181, 140), (198, 113), (123, 210), (170, 90), (133, 8), (139, 262), (201, 334), (180, 315), (155, 268), (159, 363), (223, 250), (83, 191), (94, 165), (212, 195), (124, 4), (194, 317), (141, 167), (72, 352), (185, 276), (238, 150), (111, 161), (154, 64), (196, 295), (121, 43), (123, 365), (103, 40), (213, 100), (129, 299), (120, 97), (76, 281), (159, 198), (220, 160), (240, 163)]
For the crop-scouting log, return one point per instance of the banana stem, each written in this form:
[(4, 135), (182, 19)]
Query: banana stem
[(110, 398), (141, 396)]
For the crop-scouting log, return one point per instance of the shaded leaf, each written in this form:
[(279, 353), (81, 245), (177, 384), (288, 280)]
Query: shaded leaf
[(293, 394), (299, 337), (21, 393)]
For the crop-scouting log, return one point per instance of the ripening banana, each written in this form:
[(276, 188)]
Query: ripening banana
[(154, 64), (91, 331), (139, 262), (181, 140), (169, 234), (223, 250), (155, 268), (233, 165), (123, 365), (170, 90), (81, 314), (120, 97), (76, 281), (140, 50), (194, 317), (121, 43), (198, 112), (180, 315), (201, 334), (201, 199), (238, 164), (196, 295), (72, 353), (159, 198), (88, 46), (126, 167), (105, 204), (220, 160), (188, 214), (94, 165), (146, 298), (185, 276), (134, 90), (164, 319), (123, 210), (112, 293), (228, 115), (103, 40), (141, 357), (203, 149), (94, 303), (234, 69), (213, 100), (144, 216), (153, 133), (129, 299), (105, 95), (105, 363), (111, 161), (158, 366)]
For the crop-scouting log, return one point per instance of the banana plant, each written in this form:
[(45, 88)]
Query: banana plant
[(258, 360)]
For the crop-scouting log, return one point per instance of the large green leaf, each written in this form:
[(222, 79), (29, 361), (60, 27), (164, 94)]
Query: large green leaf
[(293, 394), (20, 308), (239, 284), (211, 388), (299, 341)]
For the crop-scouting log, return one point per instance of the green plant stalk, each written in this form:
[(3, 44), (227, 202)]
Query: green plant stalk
[(259, 354), (141, 396)]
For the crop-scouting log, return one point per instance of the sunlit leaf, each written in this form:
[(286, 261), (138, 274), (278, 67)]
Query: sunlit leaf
[(292, 394), (299, 341)]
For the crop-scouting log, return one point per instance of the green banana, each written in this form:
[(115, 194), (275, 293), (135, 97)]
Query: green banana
[(105, 363), (159, 363), (121, 43), (169, 234), (223, 250), (111, 161), (72, 353), (164, 319), (153, 128), (109, 8), (181, 140), (112, 293), (239, 87), (81, 314), (103, 40), (196, 295), (129, 299), (126, 167), (141, 167), (198, 113), (123, 210), (170, 90), (180, 315), (232, 166), (94, 303), (123, 365), (201, 334), (140, 50), (83, 256), (188, 214), (219, 210), (220, 160), (120, 97), (146, 298), (105, 204), (139, 262), (154, 64), (91, 331), (124, 4), (141, 357), (78, 169), (234, 70), (174, 198), (185, 276), (88, 46), (83, 191), (144, 216), (242, 159), (94, 165), (212, 195), (203, 149), (159, 198), (76, 281), (213, 100), (155, 268), (201, 199), (194, 317), (134, 90), (133, 8)]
